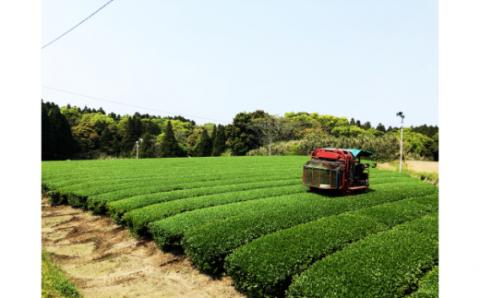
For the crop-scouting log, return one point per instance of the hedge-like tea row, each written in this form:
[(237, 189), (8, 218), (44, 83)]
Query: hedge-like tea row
[(230, 202), (121, 202), (87, 178), (92, 178), (54, 172), (382, 265), (99, 182), (137, 196), (118, 207), (162, 183), (265, 266), (169, 232), (102, 173), (118, 189), (428, 286), (98, 197), (207, 245), (138, 219)]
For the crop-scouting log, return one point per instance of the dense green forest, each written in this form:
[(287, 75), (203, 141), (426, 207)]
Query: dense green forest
[(71, 132)]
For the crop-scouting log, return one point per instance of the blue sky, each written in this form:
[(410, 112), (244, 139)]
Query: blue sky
[(208, 60)]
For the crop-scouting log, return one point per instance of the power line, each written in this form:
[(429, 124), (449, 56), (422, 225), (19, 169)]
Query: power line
[(125, 104), (81, 22)]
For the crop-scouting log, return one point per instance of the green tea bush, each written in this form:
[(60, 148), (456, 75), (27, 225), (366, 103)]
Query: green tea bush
[(138, 219), (265, 266), (382, 265), (144, 196), (118, 207), (428, 286), (208, 245), (169, 232), (255, 212), (122, 188)]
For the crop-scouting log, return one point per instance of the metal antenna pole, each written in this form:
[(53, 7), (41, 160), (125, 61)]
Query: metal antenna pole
[(400, 114), (401, 147)]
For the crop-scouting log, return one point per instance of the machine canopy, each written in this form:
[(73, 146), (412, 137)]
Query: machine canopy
[(357, 152)]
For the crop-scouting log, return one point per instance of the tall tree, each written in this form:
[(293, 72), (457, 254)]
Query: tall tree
[(57, 140), (435, 147), (151, 127), (191, 141), (72, 114), (204, 145), (427, 130), (381, 127), (87, 138), (147, 147), (133, 132), (114, 116), (169, 146), (219, 141), (242, 135), (110, 141), (214, 134), (269, 128)]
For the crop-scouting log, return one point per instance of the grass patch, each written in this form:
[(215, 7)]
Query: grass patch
[(54, 282)]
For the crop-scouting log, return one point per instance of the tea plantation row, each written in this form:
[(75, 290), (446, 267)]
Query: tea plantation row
[(251, 218)]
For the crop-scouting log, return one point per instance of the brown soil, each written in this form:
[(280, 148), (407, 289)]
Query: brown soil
[(104, 260)]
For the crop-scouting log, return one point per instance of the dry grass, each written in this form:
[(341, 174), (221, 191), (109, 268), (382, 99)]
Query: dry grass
[(425, 170)]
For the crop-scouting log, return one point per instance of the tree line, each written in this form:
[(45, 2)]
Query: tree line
[(71, 132)]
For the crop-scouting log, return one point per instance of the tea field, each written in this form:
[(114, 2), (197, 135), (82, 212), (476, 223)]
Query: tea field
[(252, 219)]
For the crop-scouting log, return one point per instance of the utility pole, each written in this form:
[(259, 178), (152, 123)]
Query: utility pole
[(137, 146), (402, 116)]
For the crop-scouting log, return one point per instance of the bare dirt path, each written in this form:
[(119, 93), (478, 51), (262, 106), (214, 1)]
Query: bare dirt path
[(413, 165), (103, 260)]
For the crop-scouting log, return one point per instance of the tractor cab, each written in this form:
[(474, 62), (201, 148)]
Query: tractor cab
[(337, 169)]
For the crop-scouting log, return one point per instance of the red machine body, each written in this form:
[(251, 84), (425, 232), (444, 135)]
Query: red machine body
[(336, 169)]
